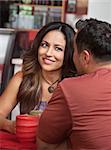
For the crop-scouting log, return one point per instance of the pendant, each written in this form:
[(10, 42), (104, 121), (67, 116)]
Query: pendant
[(50, 89)]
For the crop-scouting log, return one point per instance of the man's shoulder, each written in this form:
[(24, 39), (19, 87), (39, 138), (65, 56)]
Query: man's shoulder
[(73, 80), (74, 84)]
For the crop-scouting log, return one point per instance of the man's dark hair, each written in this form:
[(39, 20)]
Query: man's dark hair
[(80, 24), (95, 37)]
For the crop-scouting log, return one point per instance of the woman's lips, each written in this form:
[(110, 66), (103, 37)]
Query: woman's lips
[(48, 61)]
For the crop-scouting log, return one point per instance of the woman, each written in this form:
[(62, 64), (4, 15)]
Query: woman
[(47, 62)]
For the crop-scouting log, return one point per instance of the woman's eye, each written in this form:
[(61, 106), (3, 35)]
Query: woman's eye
[(44, 45), (58, 49)]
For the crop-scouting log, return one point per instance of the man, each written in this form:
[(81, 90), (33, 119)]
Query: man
[(79, 112)]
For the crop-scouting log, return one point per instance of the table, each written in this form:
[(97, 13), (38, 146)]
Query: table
[(9, 141)]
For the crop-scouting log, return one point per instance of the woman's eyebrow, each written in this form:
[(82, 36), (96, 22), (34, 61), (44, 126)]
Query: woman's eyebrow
[(59, 45), (44, 41)]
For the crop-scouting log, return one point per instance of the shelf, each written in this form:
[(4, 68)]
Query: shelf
[(33, 18), (10, 30), (33, 5), (7, 30), (76, 13), (27, 30)]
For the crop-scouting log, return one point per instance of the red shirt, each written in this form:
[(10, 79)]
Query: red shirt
[(80, 111)]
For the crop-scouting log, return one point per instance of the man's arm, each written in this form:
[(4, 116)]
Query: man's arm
[(55, 123), (45, 146)]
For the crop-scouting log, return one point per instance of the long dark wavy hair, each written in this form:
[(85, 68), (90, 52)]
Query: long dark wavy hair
[(30, 90)]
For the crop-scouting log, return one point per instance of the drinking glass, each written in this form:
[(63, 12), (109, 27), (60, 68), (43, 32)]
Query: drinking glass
[(26, 127)]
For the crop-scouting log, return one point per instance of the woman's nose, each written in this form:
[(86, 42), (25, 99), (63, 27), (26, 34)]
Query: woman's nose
[(49, 51)]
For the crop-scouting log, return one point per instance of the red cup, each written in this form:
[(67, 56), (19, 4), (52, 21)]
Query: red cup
[(26, 127)]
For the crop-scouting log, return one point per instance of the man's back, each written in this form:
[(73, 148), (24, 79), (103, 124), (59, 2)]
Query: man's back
[(89, 101), (80, 108)]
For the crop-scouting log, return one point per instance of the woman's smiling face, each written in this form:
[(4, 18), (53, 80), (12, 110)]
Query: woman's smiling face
[(51, 51)]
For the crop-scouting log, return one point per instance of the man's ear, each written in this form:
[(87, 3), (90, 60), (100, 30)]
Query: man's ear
[(85, 57)]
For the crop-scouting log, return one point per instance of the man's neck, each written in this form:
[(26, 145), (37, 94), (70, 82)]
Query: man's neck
[(97, 66)]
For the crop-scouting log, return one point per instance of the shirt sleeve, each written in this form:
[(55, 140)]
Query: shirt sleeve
[(55, 122)]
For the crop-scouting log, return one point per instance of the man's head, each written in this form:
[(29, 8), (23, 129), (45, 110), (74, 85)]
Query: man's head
[(92, 46)]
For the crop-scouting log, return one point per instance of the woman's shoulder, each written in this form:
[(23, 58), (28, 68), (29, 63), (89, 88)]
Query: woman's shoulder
[(17, 77), (19, 74), (13, 85)]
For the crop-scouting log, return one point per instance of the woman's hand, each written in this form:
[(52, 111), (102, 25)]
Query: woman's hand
[(10, 126)]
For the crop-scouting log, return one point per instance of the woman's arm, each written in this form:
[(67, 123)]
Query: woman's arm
[(8, 101)]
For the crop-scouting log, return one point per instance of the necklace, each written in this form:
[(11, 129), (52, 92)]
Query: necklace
[(51, 87)]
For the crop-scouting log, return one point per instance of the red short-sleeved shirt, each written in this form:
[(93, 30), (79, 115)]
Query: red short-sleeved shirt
[(80, 111)]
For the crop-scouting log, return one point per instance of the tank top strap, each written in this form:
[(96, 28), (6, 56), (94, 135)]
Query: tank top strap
[(41, 106)]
